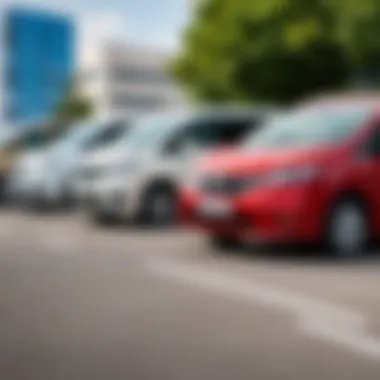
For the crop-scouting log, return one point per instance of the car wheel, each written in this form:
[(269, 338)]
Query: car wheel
[(159, 206), (348, 229)]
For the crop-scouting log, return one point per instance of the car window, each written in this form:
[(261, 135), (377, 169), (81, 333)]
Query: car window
[(109, 135), (209, 133), (80, 137), (176, 143), (203, 134), (75, 137), (320, 126), (152, 132)]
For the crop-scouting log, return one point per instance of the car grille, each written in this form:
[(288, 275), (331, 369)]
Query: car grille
[(223, 185)]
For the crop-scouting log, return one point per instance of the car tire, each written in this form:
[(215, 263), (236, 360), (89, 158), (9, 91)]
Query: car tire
[(159, 207), (348, 228)]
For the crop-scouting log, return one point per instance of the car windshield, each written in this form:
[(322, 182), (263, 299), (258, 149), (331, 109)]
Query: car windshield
[(150, 132), (108, 135), (313, 127), (76, 135), (81, 135)]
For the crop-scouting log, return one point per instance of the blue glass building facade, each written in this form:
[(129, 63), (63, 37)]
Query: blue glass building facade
[(39, 63)]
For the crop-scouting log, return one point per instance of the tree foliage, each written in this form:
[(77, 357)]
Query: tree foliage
[(276, 50)]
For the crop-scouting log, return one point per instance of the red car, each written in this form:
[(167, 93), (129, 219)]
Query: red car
[(311, 175)]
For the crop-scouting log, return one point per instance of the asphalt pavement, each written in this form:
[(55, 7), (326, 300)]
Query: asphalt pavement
[(84, 303)]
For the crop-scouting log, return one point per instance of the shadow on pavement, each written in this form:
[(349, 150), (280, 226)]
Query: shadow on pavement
[(299, 255)]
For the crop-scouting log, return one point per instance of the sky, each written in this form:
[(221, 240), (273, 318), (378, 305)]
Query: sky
[(156, 23)]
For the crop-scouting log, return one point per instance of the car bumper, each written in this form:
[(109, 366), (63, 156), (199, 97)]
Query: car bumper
[(44, 192), (290, 214), (118, 198)]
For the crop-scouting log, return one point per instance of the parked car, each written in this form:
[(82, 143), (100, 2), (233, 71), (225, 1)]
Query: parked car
[(94, 165), (140, 181), (6, 162), (312, 175), (45, 176), (24, 173)]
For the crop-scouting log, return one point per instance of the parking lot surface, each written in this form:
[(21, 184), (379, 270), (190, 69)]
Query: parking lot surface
[(81, 302)]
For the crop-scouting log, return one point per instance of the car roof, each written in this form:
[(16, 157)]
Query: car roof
[(221, 110), (234, 110), (211, 112)]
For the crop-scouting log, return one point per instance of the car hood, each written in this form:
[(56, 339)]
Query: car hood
[(106, 158), (244, 162), (99, 157), (31, 160)]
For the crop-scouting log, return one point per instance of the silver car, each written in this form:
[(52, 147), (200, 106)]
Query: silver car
[(138, 181)]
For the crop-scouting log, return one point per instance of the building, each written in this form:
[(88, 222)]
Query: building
[(124, 80), (39, 58)]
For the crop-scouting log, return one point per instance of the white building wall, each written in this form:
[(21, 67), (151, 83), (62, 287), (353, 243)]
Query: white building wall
[(125, 80)]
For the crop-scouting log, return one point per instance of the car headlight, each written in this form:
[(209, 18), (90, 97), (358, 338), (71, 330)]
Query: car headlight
[(292, 174)]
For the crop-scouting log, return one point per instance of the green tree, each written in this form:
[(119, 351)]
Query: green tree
[(271, 50), (357, 29)]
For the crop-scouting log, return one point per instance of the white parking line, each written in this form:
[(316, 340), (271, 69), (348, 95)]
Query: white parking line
[(316, 318)]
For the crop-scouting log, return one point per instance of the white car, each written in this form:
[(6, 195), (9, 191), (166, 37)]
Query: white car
[(91, 166), (25, 175), (140, 178), (45, 177)]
